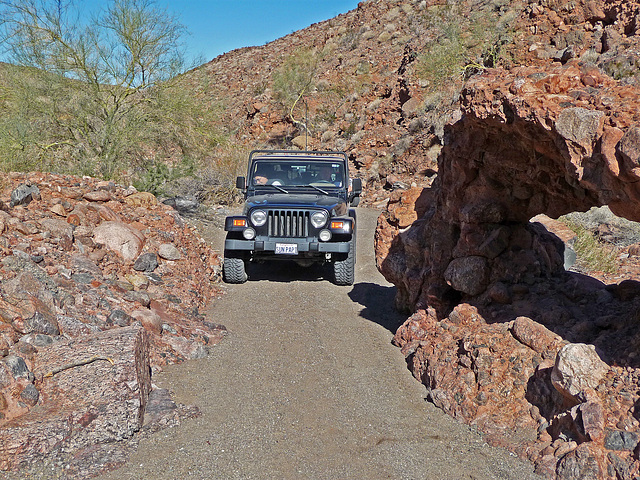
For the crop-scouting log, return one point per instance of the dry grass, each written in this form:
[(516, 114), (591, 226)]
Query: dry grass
[(592, 254)]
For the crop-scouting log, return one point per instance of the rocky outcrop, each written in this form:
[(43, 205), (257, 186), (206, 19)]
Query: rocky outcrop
[(76, 405), (100, 286), (531, 385), (502, 336), (530, 142)]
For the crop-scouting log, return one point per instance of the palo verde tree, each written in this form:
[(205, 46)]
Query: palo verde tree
[(97, 81)]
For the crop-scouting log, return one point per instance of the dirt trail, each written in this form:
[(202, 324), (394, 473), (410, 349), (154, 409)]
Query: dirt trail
[(307, 386)]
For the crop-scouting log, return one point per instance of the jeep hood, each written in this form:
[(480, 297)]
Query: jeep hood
[(335, 205)]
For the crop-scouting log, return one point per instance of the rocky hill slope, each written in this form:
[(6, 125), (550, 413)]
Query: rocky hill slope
[(367, 84), (100, 287), (383, 80)]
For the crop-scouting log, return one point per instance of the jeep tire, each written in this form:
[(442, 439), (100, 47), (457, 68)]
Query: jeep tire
[(233, 268), (343, 270)]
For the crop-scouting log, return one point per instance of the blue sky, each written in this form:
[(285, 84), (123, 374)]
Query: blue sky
[(219, 26)]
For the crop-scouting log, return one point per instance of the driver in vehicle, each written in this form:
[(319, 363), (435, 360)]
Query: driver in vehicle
[(262, 175), (325, 174)]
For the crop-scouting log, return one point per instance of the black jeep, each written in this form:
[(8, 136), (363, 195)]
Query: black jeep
[(296, 208)]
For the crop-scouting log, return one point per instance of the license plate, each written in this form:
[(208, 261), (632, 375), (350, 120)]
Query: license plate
[(287, 248)]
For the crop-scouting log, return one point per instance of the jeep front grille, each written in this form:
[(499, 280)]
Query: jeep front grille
[(288, 223)]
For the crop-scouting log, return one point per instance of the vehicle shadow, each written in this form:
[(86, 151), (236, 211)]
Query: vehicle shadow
[(285, 271), (379, 304)]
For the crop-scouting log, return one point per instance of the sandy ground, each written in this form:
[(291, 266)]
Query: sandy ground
[(308, 386)]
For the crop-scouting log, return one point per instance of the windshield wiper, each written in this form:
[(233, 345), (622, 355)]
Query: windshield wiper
[(275, 186), (318, 189)]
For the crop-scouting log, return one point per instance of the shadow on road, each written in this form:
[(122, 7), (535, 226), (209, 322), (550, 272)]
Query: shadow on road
[(284, 271), (378, 302)]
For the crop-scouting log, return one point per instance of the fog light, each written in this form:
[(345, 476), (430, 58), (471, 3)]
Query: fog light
[(324, 235), (249, 233)]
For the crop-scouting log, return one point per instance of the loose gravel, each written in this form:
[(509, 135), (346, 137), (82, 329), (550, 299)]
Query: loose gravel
[(308, 386)]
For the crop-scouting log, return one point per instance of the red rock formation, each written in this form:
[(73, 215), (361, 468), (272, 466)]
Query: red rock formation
[(529, 142), (84, 272), (492, 303)]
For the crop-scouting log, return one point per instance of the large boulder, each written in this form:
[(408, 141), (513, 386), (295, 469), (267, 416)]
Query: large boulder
[(578, 367), (119, 237), (529, 142), (91, 390)]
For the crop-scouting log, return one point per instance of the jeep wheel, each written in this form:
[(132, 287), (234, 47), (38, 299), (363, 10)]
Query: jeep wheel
[(343, 270), (233, 268)]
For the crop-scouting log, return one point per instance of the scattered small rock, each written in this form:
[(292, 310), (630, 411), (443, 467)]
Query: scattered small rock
[(30, 395), (119, 318), (17, 366), (24, 194), (147, 262), (168, 251), (621, 440), (97, 196)]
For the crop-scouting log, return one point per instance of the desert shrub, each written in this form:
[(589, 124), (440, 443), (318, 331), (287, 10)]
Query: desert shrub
[(464, 44), (592, 254), (292, 81), (295, 77), (98, 99), (443, 62), (212, 181), (350, 39), (154, 176)]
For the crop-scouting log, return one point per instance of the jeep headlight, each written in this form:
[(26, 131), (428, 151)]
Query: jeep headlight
[(319, 219), (258, 218)]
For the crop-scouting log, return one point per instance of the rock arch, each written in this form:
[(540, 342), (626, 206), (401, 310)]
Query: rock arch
[(528, 142)]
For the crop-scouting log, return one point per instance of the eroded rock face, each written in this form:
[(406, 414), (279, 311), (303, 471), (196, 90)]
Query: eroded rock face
[(530, 142), (495, 314)]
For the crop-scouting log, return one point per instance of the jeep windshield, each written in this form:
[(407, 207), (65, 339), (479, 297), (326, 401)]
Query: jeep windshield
[(322, 176)]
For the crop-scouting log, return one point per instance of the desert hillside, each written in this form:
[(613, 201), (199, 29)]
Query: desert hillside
[(473, 125), (381, 81)]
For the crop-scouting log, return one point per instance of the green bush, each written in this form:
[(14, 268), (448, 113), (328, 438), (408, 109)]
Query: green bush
[(98, 100), (154, 176), (212, 180), (464, 44), (592, 254), (294, 79)]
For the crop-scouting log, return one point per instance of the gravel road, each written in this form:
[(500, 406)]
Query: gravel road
[(308, 386)]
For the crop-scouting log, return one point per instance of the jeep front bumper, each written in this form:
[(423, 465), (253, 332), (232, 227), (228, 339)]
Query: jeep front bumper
[(269, 246)]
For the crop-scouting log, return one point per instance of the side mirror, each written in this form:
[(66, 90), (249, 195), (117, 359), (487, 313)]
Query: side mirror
[(241, 183), (356, 190)]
